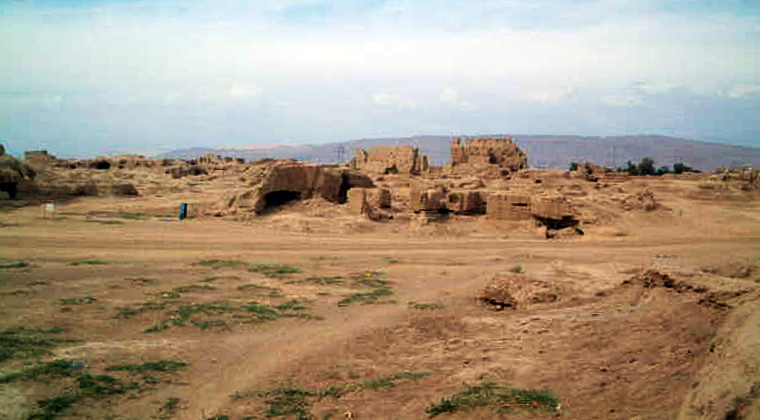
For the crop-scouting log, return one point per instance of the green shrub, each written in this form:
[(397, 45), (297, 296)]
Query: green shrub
[(275, 271), (163, 365), (497, 396)]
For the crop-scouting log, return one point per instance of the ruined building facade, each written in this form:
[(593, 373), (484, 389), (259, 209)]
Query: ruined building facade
[(486, 153), (390, 160)]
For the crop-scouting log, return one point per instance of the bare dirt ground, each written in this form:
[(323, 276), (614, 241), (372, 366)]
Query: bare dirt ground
[(266, 306)]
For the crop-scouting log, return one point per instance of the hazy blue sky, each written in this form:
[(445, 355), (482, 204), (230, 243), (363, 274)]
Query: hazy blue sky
[(100, 76)]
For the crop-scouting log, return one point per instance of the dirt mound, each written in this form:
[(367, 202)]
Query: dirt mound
[(186, 170), (125, 189), (736, 271), (643, 200), (654, 278), (13, 171), (517, 292)]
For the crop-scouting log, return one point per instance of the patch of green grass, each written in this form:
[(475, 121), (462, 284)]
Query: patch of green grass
[(161, 326), (186, 311), (425, 305), (100, 385), (17, 264), (370, 278), (292, 305), (259, 288), (368, 298), (219, 417), (152, 306), (275, 271), (264, 312), (501, 398), (127, 313), (163, 365), (287, 401), (220, 264), (208, 324), (171, 404), (54, 368), (517, 269), (134, 216), (25, 342), (389, 382), (141, 280), (194, 288), (318, 280), (78, 301), (52, 408), (86, 262)]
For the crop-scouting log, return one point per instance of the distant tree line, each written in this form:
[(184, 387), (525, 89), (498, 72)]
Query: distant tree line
[(646, 167)]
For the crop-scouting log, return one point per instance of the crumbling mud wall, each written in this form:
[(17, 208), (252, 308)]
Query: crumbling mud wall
[(390, 160), (37, 156), (280, 184), (504, 205), (487, 154)]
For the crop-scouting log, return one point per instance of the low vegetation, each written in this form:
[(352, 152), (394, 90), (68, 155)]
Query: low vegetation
[(86, 262), (33, 373), (78, 300), (368, 298), (275, 271), (318, 280), (27, 342), (17, 264), (425, 305), (223, 264), (293, 401), (163, 365), (501, 398)]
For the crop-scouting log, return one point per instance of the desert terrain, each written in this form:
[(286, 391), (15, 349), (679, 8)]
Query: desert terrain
[(416, 295)]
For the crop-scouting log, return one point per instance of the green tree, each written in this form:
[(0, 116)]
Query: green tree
[(646, 166), (573, 166), (632, 169), (679, 168)]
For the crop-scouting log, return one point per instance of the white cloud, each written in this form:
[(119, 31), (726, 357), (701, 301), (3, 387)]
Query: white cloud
[(450, 97), (654, 88), (243, 92), (393, 99), (551, 96), (625, 101), (738, 92)]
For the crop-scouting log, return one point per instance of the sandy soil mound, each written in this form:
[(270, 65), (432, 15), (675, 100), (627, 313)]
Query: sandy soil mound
[(517, 292), (654, 278)]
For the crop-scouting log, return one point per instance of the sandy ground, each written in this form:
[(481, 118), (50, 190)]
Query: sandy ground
[(607, 350)]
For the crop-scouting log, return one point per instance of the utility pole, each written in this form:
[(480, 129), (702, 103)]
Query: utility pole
[(339, 152)]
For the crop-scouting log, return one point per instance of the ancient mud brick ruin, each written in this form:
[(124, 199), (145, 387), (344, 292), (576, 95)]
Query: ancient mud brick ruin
[(390, 160), (487, 153), (505, 205), (37, 156)]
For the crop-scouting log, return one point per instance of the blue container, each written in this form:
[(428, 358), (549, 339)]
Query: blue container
[(183, 211)]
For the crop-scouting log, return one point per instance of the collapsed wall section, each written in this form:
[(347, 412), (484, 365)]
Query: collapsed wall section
[(390, 160), (478, 154)]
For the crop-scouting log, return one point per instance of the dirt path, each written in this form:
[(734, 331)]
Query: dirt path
[(445, 269)]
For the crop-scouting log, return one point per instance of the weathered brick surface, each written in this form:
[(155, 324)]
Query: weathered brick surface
[(386, 160), (466, 201), (487, 153), (37, 155), (506, 205)]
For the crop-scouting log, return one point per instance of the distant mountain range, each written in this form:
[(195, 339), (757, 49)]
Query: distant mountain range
[(544, 151)]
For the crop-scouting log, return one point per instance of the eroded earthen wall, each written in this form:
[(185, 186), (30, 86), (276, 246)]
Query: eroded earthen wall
[(387, 160), (484, 153)]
